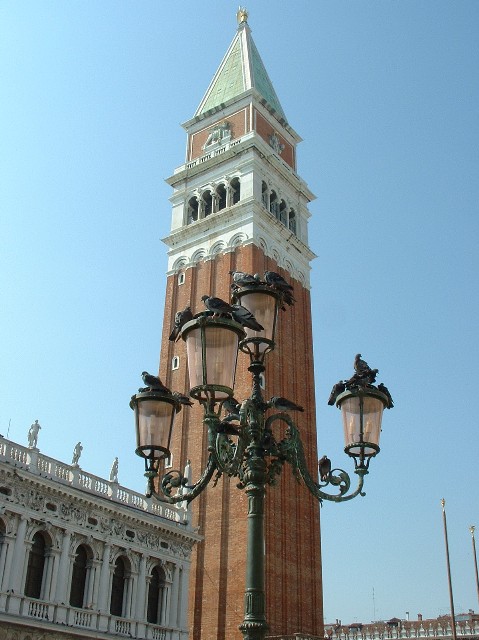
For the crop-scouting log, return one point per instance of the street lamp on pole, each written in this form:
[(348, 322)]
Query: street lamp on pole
[(256, 437)]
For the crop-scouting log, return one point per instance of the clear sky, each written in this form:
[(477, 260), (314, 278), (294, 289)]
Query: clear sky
[(385, 95)]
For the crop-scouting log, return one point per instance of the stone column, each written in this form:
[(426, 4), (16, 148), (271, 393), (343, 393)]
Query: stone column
[(139, 610), (104, 579), (62, 591), (20, 557), (6, 560), (173, 617)]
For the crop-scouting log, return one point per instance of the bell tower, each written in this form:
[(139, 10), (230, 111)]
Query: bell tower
[(239, 205)]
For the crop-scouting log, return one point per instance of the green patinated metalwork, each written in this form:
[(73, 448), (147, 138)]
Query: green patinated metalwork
[(233, 76), (230, 81), (253, 445), (261, 81)]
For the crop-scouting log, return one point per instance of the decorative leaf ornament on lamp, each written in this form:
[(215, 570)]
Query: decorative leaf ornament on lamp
[(243, 444)]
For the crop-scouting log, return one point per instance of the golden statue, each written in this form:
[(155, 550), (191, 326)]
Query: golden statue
[(242, 15)]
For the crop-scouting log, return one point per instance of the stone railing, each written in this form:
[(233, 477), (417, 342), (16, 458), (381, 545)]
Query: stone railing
[(36, 612), (295, 636), (31, 460), (418, 629)]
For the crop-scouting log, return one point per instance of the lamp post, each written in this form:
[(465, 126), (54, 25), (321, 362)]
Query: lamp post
[(472, 529), (448, 565), (256, 437)]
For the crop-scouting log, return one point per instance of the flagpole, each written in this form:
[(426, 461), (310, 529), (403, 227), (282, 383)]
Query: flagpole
[(474, 555), (451, 599)]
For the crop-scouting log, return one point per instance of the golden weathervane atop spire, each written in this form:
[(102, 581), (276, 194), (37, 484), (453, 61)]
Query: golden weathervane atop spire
[(242, 15)]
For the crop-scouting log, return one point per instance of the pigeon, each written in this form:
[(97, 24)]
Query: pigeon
[(288, 298), (245, 318), (231, 405), (153, 382), (217, 305), (360, 366), (338, 388), (364, 374), (241, 279), (228, 429), (277, 281), (182, 399), (181, 318), (282, 404), (383, 389), (324, 467)]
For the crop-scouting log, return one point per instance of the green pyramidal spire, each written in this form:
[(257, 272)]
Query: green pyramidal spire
[(240, 70)]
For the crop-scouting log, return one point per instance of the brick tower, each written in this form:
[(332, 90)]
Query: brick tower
[(238, 204)]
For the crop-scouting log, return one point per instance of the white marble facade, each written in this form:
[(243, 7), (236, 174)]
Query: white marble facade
[(81, 556)]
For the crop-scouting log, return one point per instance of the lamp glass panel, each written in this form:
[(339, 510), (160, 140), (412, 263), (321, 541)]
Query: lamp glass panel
[(221, 355), (372, 417), (154, 421), (263, 307)]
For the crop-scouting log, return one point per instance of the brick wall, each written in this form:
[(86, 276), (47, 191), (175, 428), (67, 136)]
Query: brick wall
[(293, 554)]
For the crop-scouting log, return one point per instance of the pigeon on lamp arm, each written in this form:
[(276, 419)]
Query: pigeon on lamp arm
[(232, 407), (324, 468), (283, 404), (182, 399)]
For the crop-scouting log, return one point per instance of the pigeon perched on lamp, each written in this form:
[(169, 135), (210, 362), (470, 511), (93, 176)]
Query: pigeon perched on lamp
[(181, 318), (242, 279), (277, 281), (153, 382), (217, 305), (245, 318)]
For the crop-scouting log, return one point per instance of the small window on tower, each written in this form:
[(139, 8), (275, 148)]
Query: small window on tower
[(175, 363), (181, 278)]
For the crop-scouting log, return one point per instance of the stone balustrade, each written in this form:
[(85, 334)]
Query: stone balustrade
[(33, 461), (38, 611)]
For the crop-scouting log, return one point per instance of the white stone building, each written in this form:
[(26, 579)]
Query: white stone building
[(83, 557)]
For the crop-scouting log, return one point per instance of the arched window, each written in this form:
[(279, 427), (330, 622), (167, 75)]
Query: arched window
[(79, 574), (236, 190), (283, 212), (265, 194), (156, 596), (118, 587), (221, 194), (207, 203), (35, 566), (192, 210), (274, 203), (292, 221)]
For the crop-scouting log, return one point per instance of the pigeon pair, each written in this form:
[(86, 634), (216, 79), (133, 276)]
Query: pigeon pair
[(239, 314)]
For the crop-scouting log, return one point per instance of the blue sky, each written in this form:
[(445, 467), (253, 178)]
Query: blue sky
[(385, 95)]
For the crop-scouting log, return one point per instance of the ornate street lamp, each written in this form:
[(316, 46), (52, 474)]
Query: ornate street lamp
[(243, 443)]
